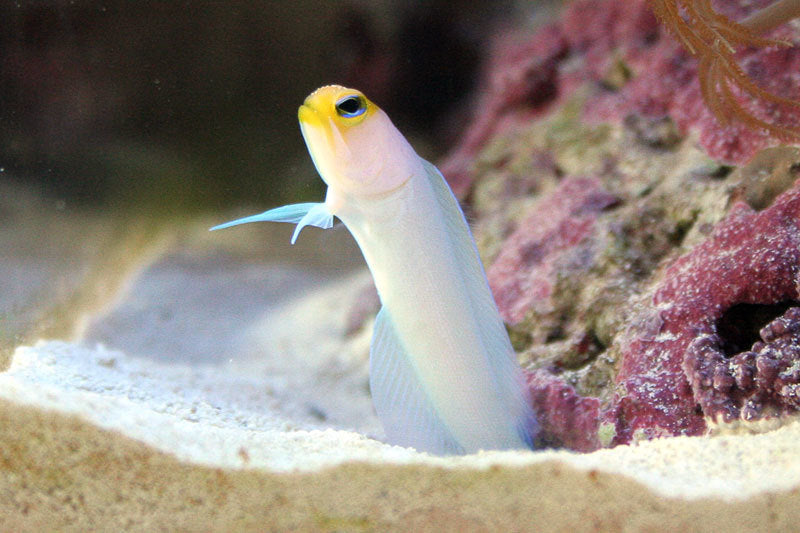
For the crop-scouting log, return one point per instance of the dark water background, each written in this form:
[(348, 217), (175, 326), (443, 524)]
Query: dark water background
[(186, 105), (127, 128)]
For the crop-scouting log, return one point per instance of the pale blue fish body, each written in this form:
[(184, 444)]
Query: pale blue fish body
[(439, 334), (443, 374)]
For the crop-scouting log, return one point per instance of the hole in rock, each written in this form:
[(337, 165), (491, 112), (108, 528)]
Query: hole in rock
[(738, 327), (713, 171), (679, 232), (556, 334), (584, 352)]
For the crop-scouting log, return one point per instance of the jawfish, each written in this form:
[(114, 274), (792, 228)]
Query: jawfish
[(444, 377)]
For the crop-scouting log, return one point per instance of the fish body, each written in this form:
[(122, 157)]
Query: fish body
[(443, 375)]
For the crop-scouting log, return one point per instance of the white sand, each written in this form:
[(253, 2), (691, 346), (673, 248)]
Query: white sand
[(231, 415), (244, 365)]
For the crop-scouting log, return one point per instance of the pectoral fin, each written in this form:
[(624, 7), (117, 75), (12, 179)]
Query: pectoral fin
[(308, 214)]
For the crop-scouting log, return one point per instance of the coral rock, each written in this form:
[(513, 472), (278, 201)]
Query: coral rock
[(630, 66), (762, 381), (643, 320), (524, 271), (565, 418), (752, 259)]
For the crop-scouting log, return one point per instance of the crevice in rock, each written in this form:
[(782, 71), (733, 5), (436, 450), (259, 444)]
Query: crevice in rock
[(557, 334), (739, 326), (679, 232), (658, 133), (584, 352)]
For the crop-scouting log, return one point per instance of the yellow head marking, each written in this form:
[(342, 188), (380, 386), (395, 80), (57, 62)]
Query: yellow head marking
[(344, 107), (354, 145)]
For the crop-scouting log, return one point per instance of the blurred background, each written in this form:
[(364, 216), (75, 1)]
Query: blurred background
[(127, 128), (182, 105)]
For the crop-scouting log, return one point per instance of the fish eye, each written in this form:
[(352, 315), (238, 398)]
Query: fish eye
[(351, 106)]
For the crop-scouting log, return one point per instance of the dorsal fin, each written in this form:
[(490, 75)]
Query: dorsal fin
[(503, 363)]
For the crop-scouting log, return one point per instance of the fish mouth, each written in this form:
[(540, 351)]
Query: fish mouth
[(315, 136), (318, 106), (307, 115), (310, 121), (319, 129)]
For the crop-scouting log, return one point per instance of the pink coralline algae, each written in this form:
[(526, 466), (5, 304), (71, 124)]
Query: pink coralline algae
[(524, 271), (762, 381), (690, 354), (664, 82), (681, 368), (565, 418), (521, 85), (632, 67)]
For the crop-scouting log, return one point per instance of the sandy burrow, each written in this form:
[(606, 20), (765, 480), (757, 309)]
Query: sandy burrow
[(94, 438)]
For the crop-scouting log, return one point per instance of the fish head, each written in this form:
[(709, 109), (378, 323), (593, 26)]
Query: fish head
[(353, 143)]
